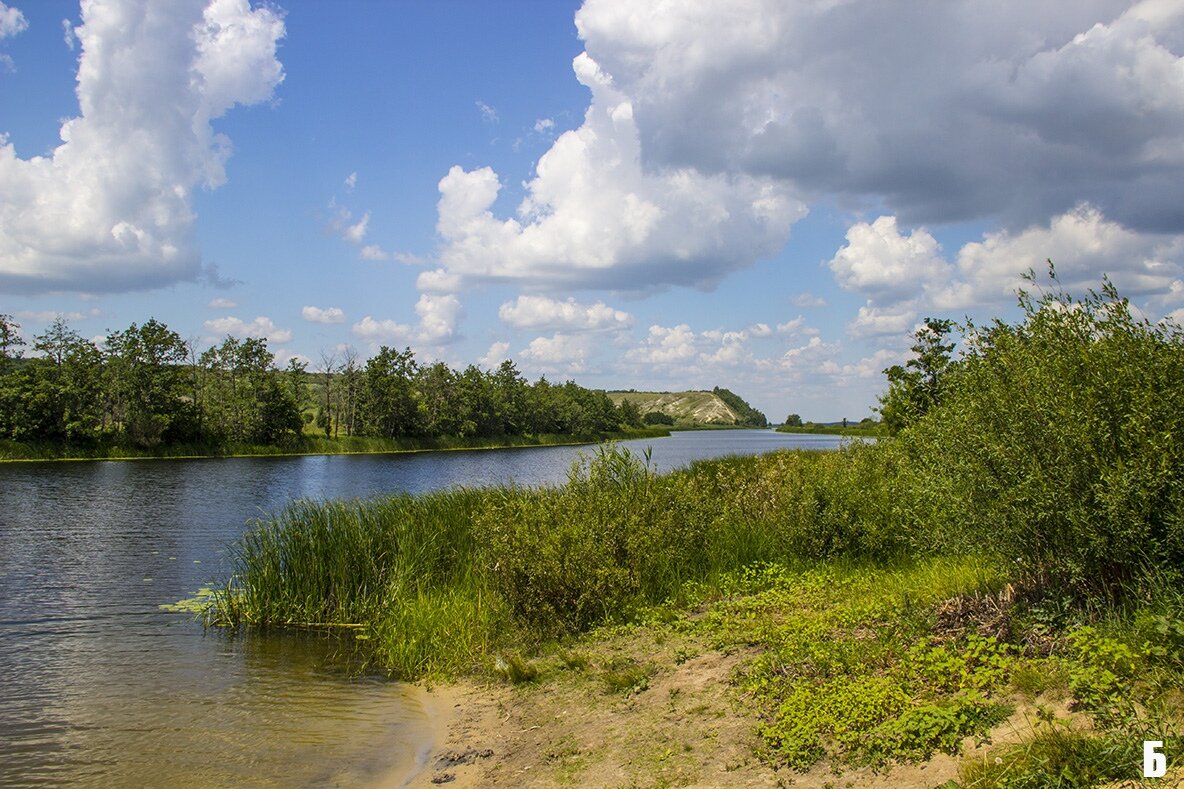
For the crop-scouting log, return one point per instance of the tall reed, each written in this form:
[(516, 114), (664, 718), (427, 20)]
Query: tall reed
[(437, 581)]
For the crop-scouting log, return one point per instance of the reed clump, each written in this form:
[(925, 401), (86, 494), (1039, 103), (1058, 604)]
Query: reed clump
[(439, 582)]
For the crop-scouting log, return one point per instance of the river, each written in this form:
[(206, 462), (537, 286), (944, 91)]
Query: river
[(100, 687)]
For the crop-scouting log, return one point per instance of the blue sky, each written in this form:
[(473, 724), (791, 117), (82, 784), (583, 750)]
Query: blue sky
[(768, 196)]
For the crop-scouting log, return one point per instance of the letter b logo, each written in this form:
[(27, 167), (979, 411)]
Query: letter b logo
[(1155, 764)]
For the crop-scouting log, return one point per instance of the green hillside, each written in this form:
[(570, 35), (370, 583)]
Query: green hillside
[(695, 408)]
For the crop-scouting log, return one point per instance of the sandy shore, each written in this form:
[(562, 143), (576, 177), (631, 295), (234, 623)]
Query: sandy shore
[(686, 729)]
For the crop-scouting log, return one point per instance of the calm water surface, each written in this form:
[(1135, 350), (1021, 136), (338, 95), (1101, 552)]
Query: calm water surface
[(98, 686)]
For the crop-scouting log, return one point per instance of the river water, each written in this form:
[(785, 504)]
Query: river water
[(100, 687)]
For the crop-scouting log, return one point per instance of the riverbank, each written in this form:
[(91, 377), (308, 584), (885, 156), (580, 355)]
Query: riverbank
[(762, 616), (728, 693), (14, 451), (833, 430)]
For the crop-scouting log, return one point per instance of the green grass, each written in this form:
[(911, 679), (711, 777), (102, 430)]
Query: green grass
[(853, 429), (307, 444), (441, 581)]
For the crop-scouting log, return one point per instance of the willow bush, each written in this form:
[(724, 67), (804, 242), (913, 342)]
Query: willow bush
[(1058, 445)]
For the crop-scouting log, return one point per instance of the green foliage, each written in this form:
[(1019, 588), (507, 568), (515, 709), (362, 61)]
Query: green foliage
[(913, 390), (148, 392), (515, 669), (1056, 757), (1059, 444), (626, 676), (629, 414), (747, 415), (656, 417), (793, 420)]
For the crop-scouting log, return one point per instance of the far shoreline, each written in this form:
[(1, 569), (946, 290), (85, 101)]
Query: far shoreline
[(362, 446)]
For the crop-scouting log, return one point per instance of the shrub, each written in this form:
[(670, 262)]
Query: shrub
[(1059, 444)]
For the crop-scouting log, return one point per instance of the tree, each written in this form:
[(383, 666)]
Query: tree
[(63, 398), (146, 385), (629, 414), (389, 407), (915, 388), (793, 420), (328, 368), (10, 345), (436, 401)]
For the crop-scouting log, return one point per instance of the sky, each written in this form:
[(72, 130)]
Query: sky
[(764, 195)]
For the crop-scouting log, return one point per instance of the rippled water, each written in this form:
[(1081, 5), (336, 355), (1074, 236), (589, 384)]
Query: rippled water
[(98, 686)]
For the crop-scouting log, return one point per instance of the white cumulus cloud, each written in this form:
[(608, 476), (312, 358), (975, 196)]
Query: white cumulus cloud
[(12, 21), (323, 314), (594, 216), (561, 353), (438, 317), (496, 354), (110, 208), (879, 260), (262, 327), (541, 312)]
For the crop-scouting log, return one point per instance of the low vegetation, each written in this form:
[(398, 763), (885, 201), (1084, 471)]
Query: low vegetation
[(1013, 544)]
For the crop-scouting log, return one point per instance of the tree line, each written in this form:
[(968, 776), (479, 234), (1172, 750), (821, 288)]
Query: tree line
[(146, 387)]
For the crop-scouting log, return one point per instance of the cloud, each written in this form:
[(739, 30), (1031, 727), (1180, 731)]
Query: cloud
[(544, 126), (495, 355), (356, 232), (880, 261), (808, 299), (560, 353), (438, 281), (12, 21), (1082, 244), (541, 312), (323, 315), (955, 111), (438, 316), (665, 346), (869, 367), (488, 113), (594, 216), (379, 332), (110, 208), (283, 356), (895, 321), (373, 252), (222, 304), (68, 36), (262, 327), (46, 316), (903, 274), (351, 181)]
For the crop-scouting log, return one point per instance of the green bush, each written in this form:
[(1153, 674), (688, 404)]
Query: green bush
[(1059, 445)]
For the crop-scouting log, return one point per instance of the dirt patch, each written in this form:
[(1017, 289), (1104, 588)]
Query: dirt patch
[(683, 724)]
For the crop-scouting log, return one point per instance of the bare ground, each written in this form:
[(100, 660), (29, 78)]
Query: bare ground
[(686, 725)]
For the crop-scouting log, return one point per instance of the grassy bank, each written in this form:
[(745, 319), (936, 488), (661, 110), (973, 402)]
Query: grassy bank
[(864, 650), (1018, 543), (307, 445), (832, 430)]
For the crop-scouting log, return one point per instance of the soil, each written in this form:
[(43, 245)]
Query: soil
[(685, 725)]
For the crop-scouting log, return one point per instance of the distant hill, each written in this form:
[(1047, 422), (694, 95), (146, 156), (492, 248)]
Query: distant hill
[(717, 407)]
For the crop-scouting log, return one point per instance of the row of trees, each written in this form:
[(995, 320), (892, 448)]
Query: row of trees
[(147, 387)]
